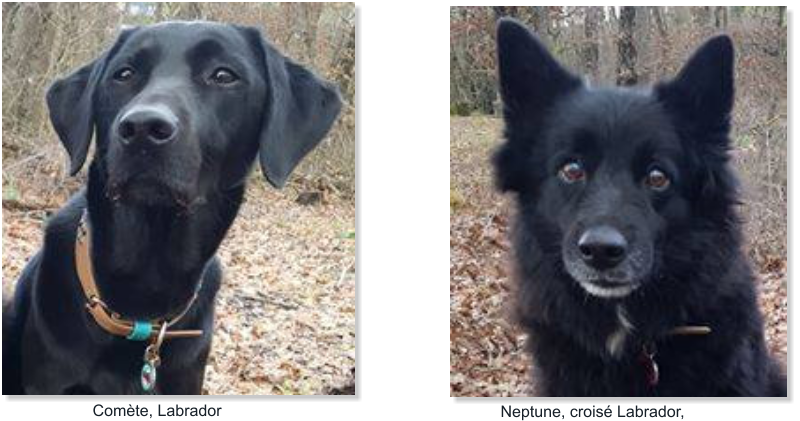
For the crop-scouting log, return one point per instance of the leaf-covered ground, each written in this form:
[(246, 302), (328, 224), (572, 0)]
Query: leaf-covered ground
[(286, 316), (486, 349)]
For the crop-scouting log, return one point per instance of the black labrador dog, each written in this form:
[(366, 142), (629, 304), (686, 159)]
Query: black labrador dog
[(179, 111)]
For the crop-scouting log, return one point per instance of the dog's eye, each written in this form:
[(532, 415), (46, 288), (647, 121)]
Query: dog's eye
[(572, 172), (124, 74), (657, 180), (224, 76)]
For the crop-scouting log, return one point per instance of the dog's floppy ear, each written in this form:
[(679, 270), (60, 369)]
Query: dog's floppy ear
[(70, 101), (301, 109), (71, 110)]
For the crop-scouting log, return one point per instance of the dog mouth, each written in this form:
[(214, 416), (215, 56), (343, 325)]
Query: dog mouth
[(151, 192), (617, 282), (608, 289)]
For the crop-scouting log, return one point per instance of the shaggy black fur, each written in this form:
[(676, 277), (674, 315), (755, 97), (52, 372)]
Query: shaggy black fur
[(626, 229)]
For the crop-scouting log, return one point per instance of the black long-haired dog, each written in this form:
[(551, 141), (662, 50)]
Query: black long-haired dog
[(632, 281)]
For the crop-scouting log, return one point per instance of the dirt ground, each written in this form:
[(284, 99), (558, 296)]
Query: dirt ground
[(486, 350), (286, 316)]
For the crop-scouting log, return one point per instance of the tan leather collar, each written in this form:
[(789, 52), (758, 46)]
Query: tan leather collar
[(110, 321)]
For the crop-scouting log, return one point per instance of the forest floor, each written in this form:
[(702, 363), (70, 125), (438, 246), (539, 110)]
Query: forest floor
[(486, 349)]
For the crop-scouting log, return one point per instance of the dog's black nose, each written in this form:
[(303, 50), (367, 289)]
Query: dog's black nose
[(148, 124), (602, 247)]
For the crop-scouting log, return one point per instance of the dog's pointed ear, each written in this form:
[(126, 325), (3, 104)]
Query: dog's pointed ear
[(301, 109), (531, 81), (69, 101), (703, 90), (530, 77)]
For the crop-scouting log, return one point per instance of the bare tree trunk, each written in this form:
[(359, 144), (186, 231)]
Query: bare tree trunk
[(591, 46), (626, 48)]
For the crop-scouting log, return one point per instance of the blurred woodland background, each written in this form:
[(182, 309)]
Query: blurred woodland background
[(610, 45), (286, 314)]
